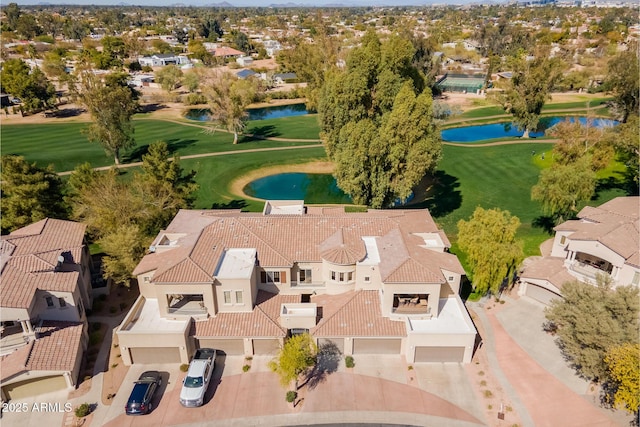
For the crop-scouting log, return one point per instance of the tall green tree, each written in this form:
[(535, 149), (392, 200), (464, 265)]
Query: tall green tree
[(298, 354), (12, 12), (377, 122), (623, 372), (528, 90), (577, 141), (228, 98), (169, 77), (626, 140), (29, 193), (31, 86), (624, 80), (562, 187), (489, 240), (590, 320), (111, 109)]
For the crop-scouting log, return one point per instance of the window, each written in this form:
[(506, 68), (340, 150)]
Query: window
[(563, 239), (62, 302), (451, 278), (239, 297), (341, 276), (333, 275), (272, 276), (146, 279), (367, 279), (49, 301), (305, 276), (636, 278), (350, 276), (227, 297)]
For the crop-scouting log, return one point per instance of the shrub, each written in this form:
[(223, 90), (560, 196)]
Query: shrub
[(292, 396), (184, 367), (246, 368), (481, 373), (349, 362), (115, 365), (83, 410), (410, 367), (489, 407), (488, 394), (194, 99), (483, 383), (248, 358)]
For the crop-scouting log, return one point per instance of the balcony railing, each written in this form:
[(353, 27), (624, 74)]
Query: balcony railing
[(587, 271), (11, 339), (187, 307), (308, 285)]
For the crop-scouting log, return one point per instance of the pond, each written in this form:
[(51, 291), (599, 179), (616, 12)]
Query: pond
[(310, 187), (274, 112), (501, 130)]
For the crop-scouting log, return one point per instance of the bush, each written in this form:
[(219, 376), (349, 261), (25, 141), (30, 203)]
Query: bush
[(488, 394), (83, 410), (184, 367), (349, 362), (292, 396), (194, 99), (246, 368)]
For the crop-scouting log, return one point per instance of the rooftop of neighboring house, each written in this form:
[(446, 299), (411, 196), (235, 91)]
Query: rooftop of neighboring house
[(227, 51), (31, 255), (615, 224), (51, 351), (408, 244)]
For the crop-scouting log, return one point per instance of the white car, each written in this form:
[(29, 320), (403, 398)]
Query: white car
[(198, 377)]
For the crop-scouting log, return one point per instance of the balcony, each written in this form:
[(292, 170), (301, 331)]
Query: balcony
[(187, 305), (298, 315), (586, 271), (11, 339), (411, 305)]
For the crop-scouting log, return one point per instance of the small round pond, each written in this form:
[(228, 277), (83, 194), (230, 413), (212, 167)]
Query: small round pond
[(310, 187), (502, 130), (274, 112)]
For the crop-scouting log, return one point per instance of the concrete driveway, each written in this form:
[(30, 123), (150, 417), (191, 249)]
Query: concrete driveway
[(380, 389)]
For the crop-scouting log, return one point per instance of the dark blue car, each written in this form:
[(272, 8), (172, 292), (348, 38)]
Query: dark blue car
[(144, 389)]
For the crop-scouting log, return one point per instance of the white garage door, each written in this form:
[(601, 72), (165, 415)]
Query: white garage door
[(540, 294), (228, 346), (439, 354), (266, 346), (376, 346), (33, 387), (144, 355), (337, 343)]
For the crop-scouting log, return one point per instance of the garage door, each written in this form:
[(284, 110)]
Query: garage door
[(376, 346), (337, 343), (229, 346), (439, 354), (266, 346), (33, 387), (540, 294), (155, 354)]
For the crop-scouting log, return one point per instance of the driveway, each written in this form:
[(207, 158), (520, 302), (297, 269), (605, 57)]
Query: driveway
[(378, 390)]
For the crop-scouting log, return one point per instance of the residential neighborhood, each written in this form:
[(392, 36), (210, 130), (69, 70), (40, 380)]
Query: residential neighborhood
[(320, 214)]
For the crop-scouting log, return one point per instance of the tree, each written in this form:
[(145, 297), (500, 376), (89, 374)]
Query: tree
[(169, 77), (111, 109), (191, 81), (577, 141), (624, 80), (298, 354), (29, 193), (626, 140), (124, 247), (31, 86), (590, 320), (488, 239), (623, 368), (528, 90), (562, 187), (377, 123), (12, 12), (228, 98)]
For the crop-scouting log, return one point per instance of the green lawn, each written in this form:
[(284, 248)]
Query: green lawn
[(64, 145), (296, 127), (496, 110)]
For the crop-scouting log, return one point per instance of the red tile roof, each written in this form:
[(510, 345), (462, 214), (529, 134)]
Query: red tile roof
[(29, 258), (360, 316)]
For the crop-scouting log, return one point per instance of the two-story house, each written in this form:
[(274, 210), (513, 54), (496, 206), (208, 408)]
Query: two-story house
[(376, 282), (45, 285), (604, 241)]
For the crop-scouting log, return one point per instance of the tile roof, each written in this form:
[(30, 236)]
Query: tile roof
[(360, 316), (547, 268), (29, 258), (615, 224), (282, 240), (55, 349), (263, 321)]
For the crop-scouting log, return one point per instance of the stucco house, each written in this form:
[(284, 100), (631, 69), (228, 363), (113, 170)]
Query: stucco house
[(162, 59), (45, 285), (376, 282), (603, 241)]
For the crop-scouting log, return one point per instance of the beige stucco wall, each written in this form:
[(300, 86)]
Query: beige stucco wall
[(164, 289), (625, 275), (68, 313), (337, 287), (558, 249), (13, 314), (596, 249), (233, 285), (145, 283), (370, 271), (453, 279)]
